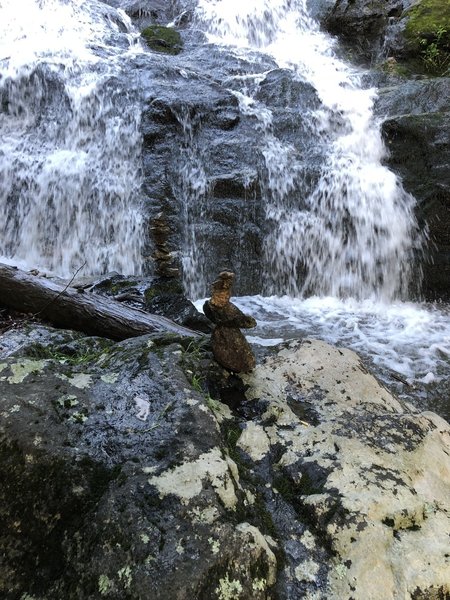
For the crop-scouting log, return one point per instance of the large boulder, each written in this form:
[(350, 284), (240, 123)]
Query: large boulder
[(360, 482), (115, 482), (122, 478)]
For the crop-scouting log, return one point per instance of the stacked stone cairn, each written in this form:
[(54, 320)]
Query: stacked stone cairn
[(230, 348)]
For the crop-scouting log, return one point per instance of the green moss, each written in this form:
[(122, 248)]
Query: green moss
[(426, 17), (262, 518), (285, 487), (428, 34), (164, 287), (309, 486), (118, 286), (85, 352), (163, 39), (232, 433)]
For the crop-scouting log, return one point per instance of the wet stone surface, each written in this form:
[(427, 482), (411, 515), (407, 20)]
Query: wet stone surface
[(123, 477)]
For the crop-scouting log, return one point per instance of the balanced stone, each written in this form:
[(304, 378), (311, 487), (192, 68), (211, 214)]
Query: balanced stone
[(230, 348), (220, 310)]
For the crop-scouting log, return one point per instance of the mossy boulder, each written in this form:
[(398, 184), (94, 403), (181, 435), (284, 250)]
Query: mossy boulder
[(416, 33), (163, 39), (114, 479), (426, 18), (427, 33)]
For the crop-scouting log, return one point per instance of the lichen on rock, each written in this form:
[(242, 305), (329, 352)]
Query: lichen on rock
[(186, 480), (365, 471), (284, 501)]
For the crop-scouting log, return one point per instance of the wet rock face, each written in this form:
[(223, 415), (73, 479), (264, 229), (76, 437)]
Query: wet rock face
[(415, 33), (115, 481), (144, 12), (205, 172), (417, 133), (201, 180), (202, 157), (362, 24)]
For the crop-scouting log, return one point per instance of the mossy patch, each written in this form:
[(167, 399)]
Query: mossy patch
[(163, 39), (428, 34), (51, 499), (163, 287), (426, 17), (84, 350)]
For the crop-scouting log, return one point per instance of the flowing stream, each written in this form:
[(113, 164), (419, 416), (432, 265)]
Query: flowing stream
[(69, 138)]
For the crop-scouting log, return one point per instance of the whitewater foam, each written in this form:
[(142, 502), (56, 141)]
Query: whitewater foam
[(70, 142)]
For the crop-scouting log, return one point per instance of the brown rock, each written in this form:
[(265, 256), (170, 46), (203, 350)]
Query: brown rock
[(228, 315), (220, 310), (231, 350), (221, 289)]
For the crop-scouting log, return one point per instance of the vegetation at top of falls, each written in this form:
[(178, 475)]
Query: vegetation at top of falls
[(428, 34), (436, 60), (163, 39)]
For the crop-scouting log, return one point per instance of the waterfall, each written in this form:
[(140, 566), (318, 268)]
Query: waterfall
[(341, 241), (192, 191), (70, 144), (352, 233)]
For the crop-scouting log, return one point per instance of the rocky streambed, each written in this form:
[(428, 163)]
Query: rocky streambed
[(142, 470)]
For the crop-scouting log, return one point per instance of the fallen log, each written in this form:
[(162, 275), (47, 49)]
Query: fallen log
[(70, 308)]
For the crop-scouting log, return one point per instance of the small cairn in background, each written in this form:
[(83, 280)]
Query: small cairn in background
[(230, 348)]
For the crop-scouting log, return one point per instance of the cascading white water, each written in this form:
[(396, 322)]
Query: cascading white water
[(353, 233), (193, 188), (338, 252), (69, 138)]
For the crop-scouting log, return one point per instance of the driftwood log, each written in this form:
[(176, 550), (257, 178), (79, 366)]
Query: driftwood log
[(72, 309)]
